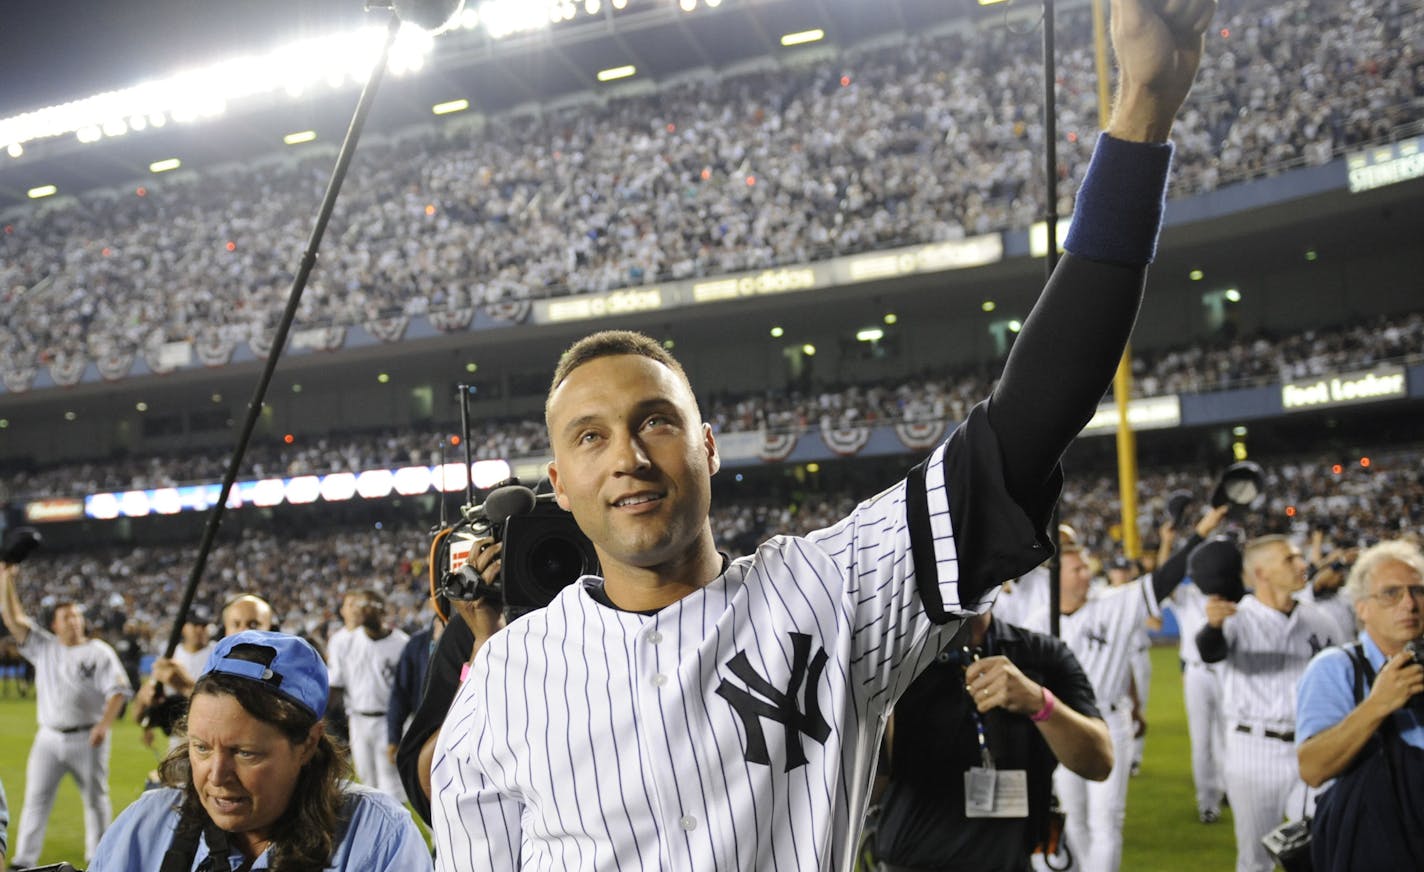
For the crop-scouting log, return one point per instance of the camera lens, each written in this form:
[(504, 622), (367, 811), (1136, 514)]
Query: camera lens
[(553, 563)]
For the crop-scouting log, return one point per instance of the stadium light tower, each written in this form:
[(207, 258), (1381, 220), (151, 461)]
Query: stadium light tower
[(432, 15)]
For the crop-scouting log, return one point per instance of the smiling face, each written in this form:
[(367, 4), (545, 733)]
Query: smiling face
[(633, 462), (244, 769)]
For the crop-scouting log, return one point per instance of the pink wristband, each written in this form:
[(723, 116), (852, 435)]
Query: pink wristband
[(465, 670), (1042, 714)]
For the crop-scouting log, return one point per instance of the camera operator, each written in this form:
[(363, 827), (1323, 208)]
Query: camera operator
[(80, 687), (1029, 703), (471, 625), (1359, 721)]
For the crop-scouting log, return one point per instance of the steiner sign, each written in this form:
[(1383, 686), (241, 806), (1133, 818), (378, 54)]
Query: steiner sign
[(1385, 165), (1143, 413), (1382, 383)]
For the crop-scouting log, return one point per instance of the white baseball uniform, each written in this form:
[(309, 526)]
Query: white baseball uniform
[(73, 683), (1267, 652), (1024, 601), (366, 671), (1141, 667), (336, 644), (1201, 691), (737, 728), (1103, 635)]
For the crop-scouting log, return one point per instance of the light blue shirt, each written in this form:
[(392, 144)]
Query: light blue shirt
[(380, 836), (1326, 694)]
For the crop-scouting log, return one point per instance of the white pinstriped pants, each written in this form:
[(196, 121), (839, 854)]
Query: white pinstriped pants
[(1201, 691), (1095, 809), (1263, 782)]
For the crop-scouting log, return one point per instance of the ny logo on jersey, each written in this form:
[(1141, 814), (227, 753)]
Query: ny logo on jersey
[(1316, 646), (388, 671), (779, 705), (86, 671), (1098, 636)]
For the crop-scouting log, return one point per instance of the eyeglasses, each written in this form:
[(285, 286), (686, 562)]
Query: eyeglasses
[(1393, 596)]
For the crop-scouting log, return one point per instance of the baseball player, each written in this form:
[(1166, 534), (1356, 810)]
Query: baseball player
[(1101, 626), (80, 688), (362, 676), (688, 711), (1121, 570), (1263, 645), (1201, 685)]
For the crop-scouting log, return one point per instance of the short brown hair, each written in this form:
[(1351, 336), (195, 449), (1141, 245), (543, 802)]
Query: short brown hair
[(611, 343)]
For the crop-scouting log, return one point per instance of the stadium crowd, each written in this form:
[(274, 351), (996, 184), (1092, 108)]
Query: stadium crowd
[(1256, 359), (926, 141), (131, 590)]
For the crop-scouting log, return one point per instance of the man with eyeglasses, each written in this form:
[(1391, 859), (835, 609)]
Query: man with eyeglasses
[(1358, 721), (1264, 643)]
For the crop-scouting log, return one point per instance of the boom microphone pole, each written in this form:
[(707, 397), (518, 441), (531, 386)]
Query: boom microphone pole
[(1050, 220), (430, 14)]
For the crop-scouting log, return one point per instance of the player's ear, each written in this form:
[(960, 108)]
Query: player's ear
[(714, 460), (560, 496)]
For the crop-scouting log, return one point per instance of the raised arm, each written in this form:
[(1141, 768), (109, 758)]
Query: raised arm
[(1170, 573), (1068, 350), (11, 612)]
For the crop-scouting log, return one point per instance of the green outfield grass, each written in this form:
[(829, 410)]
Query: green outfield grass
[(1162, 832)]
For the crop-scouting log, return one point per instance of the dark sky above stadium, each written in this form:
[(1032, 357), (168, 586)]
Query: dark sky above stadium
[(57, 50)]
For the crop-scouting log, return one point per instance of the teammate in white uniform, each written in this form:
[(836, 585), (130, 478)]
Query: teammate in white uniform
[(1201, 682), (685, 711), (362, 674), (1102, 628), (350, 622), (1122, 571), (1264, 644), (80, 687)]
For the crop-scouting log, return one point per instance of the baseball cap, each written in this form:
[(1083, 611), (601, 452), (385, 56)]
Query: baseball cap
[(197, 615), (1215, 567), (1120, 561), (287, 665)]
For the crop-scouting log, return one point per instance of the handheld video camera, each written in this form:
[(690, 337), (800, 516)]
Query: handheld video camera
[(544, 550)]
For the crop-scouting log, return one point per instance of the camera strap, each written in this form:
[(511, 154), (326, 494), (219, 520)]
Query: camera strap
[(193, 826)]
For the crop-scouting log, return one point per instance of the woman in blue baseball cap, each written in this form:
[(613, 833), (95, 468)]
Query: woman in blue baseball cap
[(257, 783)]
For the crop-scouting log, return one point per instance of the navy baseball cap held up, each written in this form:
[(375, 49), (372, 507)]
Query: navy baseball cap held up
[(286, 665)]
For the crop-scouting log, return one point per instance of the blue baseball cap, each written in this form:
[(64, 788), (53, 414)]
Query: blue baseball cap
[(288, 665)]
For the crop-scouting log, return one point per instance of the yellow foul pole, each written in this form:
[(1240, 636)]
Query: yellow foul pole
[(1122, 383)]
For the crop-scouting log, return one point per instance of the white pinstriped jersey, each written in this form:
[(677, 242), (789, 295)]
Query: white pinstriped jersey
[(336, 645), (1267, 652), (735, 729), (1103, 635), (1188, 603), (73, 683), (366, 670)]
